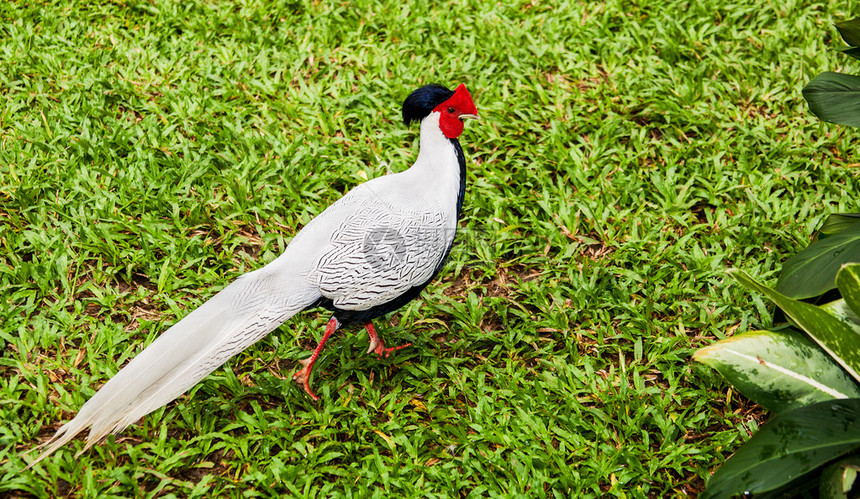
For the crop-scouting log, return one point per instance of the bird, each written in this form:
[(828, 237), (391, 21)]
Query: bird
[(367, 254)]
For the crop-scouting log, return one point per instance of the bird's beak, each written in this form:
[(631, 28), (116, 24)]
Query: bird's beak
[(469, 117)]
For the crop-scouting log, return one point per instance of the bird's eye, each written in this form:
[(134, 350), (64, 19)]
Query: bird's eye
[(451, 110)]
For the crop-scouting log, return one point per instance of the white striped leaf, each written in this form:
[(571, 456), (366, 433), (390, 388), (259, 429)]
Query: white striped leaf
[(778, 370), (839, 338), (848, 282)]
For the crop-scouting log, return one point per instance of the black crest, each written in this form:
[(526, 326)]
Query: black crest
[(422, 101)]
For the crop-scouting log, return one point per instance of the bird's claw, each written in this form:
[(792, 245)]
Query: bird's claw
[(375, 344), (303, 377), (384, 353)]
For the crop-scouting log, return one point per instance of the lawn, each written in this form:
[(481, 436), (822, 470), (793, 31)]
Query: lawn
[(628, 154)]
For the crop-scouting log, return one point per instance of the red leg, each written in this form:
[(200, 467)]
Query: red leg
[(304, 375), (376, 343)]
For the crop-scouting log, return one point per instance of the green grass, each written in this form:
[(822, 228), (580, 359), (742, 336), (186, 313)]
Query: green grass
[(151, 152)]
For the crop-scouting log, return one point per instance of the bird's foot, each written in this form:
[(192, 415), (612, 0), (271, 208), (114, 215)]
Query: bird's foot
[(377, 346), (303, 377), (383, 352)]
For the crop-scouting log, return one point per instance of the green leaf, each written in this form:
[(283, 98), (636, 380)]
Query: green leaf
[(838, 338), (779, 370), (841, 310), (848, 282), (839, 478), (792, 444), (813, 271), (850, 31), (851, 51), (834, 97), (837, 222)]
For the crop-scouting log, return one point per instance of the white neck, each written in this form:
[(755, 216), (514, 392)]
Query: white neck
[(436, 171), (435, 149)]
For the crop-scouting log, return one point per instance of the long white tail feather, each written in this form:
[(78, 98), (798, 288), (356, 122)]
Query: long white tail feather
[(232, 320)]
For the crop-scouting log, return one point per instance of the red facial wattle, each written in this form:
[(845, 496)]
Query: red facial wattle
[(459, 104)]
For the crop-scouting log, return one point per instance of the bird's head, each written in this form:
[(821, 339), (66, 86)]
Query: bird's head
[(453, 107)]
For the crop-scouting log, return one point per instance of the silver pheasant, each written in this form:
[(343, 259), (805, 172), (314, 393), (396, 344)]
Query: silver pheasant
[(367, 254)]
